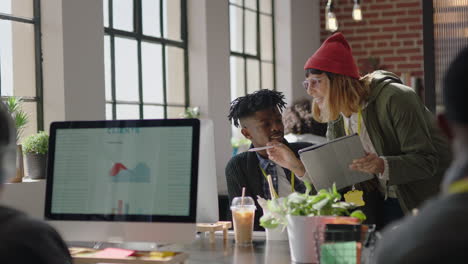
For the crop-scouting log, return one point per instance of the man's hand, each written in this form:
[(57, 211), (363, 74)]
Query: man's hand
[(283, 156), (371, 163)]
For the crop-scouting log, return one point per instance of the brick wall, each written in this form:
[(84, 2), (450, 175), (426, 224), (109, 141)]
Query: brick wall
[(390, 33)]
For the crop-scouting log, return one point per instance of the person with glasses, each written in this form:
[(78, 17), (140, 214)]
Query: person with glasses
[(404, 149)]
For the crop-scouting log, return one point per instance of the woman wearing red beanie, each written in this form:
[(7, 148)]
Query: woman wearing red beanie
[(406, 152)]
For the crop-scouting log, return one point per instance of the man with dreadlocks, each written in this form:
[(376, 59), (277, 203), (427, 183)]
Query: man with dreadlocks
[(259, 115)]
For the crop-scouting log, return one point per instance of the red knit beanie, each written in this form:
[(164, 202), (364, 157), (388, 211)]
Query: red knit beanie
[(334, 56)]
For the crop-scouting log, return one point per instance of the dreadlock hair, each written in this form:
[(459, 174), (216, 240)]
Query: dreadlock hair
[(245, 106)]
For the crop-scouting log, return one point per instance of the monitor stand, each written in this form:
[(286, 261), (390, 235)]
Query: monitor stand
[(144, 246), (120, 232)]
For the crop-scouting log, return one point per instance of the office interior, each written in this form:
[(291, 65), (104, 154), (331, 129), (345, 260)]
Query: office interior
[(61, 68)]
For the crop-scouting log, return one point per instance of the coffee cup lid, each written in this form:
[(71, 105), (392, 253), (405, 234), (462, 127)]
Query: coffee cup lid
[(247, 203)]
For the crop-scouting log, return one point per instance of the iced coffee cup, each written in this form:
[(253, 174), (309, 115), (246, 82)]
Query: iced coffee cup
[(243, 214)]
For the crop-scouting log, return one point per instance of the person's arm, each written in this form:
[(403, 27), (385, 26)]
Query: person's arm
[(370, 163), (285, 157), (418, 159)]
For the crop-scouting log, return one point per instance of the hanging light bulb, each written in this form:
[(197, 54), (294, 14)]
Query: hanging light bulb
[(357, 14), (331, 24)]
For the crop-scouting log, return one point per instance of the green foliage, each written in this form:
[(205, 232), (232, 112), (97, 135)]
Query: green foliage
[(359, 215), (237, 142), (37, 143), (324, 203), (14, 106), (191, 112)]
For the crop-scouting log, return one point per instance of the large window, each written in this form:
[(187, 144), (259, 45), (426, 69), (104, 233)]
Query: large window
[(252, 46), (450, 37), (145, 58), (252, 60), (20, 57)]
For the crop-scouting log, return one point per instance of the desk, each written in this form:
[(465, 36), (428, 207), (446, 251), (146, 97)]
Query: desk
[(261, 251), (201, 251)]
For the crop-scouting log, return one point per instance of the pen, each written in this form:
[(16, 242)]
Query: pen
[(261, 148)]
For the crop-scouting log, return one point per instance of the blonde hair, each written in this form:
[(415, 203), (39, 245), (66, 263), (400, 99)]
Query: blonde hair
[(345, 94)]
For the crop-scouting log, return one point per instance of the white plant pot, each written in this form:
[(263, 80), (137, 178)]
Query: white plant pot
[(302, 239), (278, 233)]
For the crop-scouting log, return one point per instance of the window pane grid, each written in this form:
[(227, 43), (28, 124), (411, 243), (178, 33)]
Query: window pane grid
[(263, 12), (153, 40), (20, 32), (257, 45)]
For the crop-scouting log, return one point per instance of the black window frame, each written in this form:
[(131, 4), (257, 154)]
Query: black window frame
[(429, 55), (38, 99), (138, 35), (245, 56)]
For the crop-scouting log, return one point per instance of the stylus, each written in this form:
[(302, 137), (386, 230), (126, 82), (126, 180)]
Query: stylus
[(261, 148)]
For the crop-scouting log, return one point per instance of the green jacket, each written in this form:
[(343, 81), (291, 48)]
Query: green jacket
[(403, 130)]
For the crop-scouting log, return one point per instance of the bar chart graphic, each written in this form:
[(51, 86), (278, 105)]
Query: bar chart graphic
[(121, 209), (120, 173)]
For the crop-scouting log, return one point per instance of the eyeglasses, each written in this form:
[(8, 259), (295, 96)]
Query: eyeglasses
[(312, 82)]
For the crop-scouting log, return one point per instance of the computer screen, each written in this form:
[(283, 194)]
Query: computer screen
[(123, 171)]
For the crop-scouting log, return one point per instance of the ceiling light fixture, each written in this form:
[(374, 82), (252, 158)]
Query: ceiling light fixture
[(357, 14), (331, 24)]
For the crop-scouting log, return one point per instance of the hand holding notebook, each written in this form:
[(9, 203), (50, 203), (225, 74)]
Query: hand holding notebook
[(329, 162)]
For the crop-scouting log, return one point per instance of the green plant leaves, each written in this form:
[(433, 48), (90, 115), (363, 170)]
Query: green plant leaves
[(324, 203), (20, 117), (274, 213), (269, 221), (359, 215), (37, 143), (191, 112)]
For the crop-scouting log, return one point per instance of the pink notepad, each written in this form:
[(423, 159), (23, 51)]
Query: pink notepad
[(117, 253)]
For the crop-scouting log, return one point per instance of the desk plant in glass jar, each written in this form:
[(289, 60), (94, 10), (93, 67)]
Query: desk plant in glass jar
[(304, 214)]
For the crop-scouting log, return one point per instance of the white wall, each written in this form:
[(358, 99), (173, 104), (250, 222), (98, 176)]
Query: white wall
[(297, 28), (73, 67), (208, 26)]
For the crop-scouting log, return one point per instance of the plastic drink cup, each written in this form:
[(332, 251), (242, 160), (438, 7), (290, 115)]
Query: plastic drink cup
[(243, 215)]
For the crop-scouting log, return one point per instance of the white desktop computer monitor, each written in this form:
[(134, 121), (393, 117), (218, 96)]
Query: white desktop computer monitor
[(207, 198), (123, 180)]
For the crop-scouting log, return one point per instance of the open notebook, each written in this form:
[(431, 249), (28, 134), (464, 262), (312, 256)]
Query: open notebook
[(328, 163)]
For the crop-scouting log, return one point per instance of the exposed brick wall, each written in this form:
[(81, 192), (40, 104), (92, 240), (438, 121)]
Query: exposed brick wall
[(391, 31)]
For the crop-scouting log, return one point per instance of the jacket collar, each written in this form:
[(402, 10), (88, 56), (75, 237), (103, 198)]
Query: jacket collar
[(379, 79)]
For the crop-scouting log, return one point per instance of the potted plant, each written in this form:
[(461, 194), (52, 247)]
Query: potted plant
[(191, 112), (35, 148), (304, 214), (20, 118), (239, 145)]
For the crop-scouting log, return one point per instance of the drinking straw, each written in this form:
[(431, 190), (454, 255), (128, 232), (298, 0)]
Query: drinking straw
[(243, 194)]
